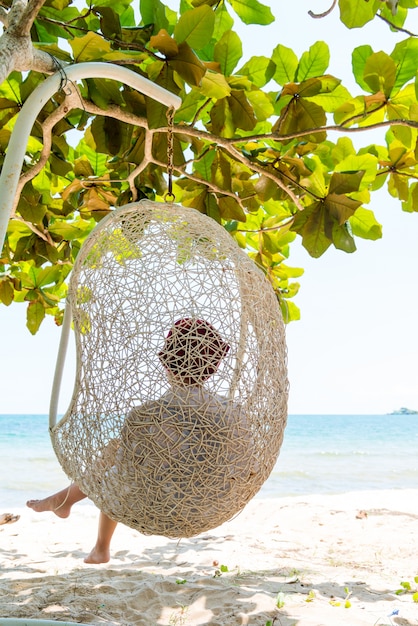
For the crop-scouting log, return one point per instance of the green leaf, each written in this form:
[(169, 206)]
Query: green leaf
[(104, 91), (356, 13), (366, 163), (252, 11), (342, 240), (154, 13), (358, 61), (195, 27), (345, 182), (301, 114), (48, 276), (6, 290), (164, 44), (214, 85), (228, 52), (34, 316), (262, 106), (241, 110), (290, 311), (223, 21), (203, 166), (259, 69), (380, 72), (230, 209), (331, 101), (110, 135), (341, 207), (405, 56), (312, 224), (109, 22), (364, 224), (280, 600), (89, 47), (187, 65), (415, 596), (313, 63), (286, 63), (411, 205), (67, 231)]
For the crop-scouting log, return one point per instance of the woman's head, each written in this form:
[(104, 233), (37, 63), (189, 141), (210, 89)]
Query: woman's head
[(192, 351)]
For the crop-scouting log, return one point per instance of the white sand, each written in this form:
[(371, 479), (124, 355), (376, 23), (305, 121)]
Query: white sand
[(309, 548)]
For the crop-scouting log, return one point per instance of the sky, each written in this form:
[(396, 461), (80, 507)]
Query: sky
[(355, 349)]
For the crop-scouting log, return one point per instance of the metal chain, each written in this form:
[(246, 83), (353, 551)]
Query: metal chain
[(169, 196)]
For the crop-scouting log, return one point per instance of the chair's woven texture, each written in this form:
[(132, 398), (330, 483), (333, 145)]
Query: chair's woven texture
[(171, 460)]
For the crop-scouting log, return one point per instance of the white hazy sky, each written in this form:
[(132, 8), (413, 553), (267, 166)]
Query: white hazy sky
[(355, 349)]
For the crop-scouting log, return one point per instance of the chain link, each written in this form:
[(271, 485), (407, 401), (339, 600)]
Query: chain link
[(169, 196)]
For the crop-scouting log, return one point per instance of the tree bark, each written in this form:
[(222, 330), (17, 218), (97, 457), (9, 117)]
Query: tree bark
[(16, 50)]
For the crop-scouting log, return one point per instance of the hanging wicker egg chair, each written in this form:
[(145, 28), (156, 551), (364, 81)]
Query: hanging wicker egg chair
[(158, 293)]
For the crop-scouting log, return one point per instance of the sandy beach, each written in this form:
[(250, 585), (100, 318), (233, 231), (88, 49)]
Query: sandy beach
[(330, 560)]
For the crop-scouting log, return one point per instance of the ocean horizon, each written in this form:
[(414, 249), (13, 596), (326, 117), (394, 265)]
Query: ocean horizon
[(321, 454)]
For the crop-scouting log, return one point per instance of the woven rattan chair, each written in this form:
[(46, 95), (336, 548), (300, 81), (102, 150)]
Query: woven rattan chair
[(163, 458)]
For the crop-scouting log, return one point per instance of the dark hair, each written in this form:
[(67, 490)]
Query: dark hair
[(193, 350)]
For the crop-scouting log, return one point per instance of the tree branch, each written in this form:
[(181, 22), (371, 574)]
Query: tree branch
[(70, 102), (398, 28), (4, 17), (325, 13), (29, 15)]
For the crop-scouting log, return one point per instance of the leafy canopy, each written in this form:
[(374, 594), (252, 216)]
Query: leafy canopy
[(251, 143)]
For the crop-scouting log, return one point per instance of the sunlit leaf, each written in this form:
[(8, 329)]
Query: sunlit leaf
[(341, 207), (312, 224), (35, 313), (89, 47), (302, 115), (343, 240), (154, 13), (228, 51), (252, 11), (259, 69), (188, 65), (230, 209), (164, 43), (215, 85), (6, 290), (314, 62), (286, 63), (356, 13), (331, 101), (195, 27), (242, 112), (405, 56), (364, 224), (109, 21), (345, 182), (380, 72)]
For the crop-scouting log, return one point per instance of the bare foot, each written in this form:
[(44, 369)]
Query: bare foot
[(98, 556), (51, 503)]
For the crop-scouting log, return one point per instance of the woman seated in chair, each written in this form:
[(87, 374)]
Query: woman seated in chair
[(160, 440)]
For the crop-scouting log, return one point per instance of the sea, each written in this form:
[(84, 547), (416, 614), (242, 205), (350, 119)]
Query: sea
[(320, 454)]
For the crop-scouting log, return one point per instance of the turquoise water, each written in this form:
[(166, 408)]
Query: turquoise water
[(320, 454)]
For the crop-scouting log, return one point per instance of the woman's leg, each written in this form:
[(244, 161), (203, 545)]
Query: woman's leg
[(59, 503), (101, 551)]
